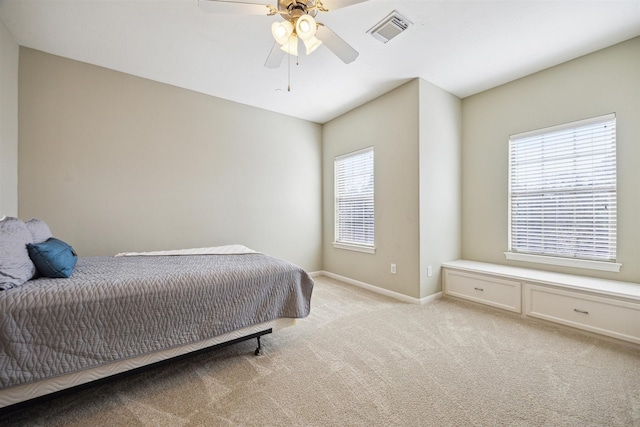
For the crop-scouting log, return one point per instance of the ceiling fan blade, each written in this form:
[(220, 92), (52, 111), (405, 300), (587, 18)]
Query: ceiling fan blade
[(233, 7), (339, 47), (337, 4), (275, 56)]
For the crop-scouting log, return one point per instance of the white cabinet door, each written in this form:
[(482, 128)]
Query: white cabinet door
[(607, 316), (501, 293)]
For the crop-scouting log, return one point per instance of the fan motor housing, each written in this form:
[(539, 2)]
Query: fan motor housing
[(297, 8)]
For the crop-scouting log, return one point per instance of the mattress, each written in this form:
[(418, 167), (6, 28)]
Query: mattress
[(117, 309)]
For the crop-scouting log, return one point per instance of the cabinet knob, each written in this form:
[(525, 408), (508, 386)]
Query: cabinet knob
[(478, 289), (580, 311)]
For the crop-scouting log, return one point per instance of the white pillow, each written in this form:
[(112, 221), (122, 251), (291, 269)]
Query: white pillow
[(16, 267), (39, 230)]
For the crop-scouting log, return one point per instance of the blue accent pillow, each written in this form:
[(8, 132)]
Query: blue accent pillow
[(53, 258)]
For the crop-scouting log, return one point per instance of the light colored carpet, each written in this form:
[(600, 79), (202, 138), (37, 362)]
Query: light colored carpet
[(361, 359)]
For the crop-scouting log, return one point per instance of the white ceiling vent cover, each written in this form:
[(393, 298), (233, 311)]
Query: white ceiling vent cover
[(389, 27)]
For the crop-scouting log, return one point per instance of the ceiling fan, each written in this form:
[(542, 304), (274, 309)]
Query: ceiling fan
[(299, 24)]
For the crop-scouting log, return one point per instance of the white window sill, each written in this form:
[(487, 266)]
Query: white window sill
[(357, 248), (565, 262)]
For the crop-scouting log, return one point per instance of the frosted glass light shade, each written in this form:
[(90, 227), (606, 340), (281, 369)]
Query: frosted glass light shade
[(281, 31), (312, 44), (291, 47), (306, 27)]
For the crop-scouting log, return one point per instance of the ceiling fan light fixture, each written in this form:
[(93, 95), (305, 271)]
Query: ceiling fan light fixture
[(306, 27), (291, 46), (297, 22), (282, 31)]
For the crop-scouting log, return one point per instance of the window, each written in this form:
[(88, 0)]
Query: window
[(354, 215), (562, 195)]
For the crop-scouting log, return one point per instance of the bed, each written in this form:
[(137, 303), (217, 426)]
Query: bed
[(115, 314)]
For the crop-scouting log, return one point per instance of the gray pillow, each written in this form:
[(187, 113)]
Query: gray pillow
[(39, 230), (15, 265)]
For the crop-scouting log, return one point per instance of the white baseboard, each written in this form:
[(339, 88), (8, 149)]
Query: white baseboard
[(378, 290)]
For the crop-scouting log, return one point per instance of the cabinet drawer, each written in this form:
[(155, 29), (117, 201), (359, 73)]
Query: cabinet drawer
[(505, 294), (618, 319)]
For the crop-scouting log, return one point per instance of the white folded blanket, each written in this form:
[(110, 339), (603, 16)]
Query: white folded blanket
[(216, 250)]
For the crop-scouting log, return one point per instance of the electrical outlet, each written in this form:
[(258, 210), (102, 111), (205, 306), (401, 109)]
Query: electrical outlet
[(393, 269), (429, 271)]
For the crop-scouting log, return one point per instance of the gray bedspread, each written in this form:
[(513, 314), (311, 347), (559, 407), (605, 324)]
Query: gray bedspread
[(115, 308)]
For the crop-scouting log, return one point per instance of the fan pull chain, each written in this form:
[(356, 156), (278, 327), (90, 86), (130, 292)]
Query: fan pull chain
[(289, 73), (297, 63)]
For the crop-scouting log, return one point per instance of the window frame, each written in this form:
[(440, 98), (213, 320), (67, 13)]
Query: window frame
[(345, 244), (559, 259)]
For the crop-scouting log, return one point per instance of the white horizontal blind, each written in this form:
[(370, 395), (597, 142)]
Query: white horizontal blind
[(562, 186), (354, 198)]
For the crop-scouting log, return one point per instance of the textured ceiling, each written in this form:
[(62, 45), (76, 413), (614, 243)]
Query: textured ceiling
[(464, 47)]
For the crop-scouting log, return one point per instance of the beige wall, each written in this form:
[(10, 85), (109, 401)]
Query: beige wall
[(115, 163), (389, 124), (8, 123), (416, 134), (604, 82), (440, 183)]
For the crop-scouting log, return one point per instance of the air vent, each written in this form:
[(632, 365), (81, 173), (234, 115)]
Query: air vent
[(389, 27)]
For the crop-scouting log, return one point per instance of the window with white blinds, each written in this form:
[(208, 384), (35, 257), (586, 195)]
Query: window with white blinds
[(562, 191), (354, 215)]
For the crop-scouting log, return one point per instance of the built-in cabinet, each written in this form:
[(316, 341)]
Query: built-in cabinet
[(605, 307)]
